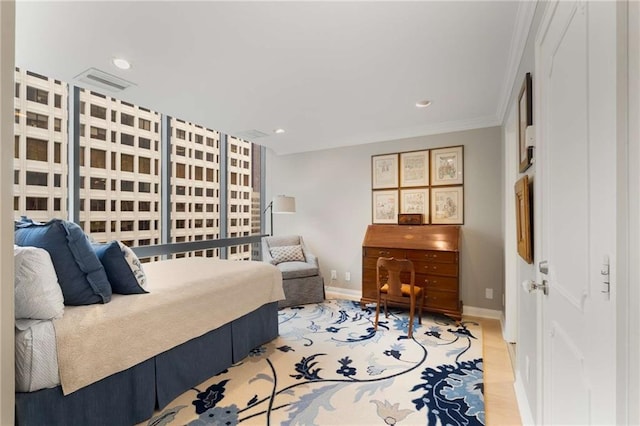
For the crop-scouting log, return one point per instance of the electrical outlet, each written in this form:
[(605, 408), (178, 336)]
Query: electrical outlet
[(488, 293), (334, 274), (347, 276)]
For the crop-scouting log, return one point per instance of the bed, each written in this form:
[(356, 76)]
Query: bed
[(115, 363)]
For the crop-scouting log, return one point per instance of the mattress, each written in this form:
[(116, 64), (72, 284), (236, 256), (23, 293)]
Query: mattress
[(36, 357)]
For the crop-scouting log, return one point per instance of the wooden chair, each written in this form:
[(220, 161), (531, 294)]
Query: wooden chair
[(391, 289)]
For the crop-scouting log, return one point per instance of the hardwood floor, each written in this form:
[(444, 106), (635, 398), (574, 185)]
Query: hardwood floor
[(499, 395)]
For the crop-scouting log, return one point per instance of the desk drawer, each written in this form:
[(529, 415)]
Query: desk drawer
[(376, 252), (437, 283), (441, 300), (432, 256), (448, 269)]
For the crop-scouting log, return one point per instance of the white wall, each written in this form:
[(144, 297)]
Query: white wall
[(333, 201), (7, 29), (526, 371)]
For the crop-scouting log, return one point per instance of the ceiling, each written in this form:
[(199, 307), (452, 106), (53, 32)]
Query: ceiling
[(329, 73)]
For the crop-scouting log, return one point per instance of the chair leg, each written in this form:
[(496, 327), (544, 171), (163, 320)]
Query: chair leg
[(420, 308), (375, 324), (411, 313), (386, 313)]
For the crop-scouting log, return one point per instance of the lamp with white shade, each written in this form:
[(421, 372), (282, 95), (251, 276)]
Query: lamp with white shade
[(280, 204)]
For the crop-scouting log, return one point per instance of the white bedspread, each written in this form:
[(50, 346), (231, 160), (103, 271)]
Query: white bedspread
[(188, 298)]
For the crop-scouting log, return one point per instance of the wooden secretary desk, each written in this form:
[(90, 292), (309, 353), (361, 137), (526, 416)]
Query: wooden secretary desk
[(434, 251)]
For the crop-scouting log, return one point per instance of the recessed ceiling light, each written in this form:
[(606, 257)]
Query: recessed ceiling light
[(278, 131), (121, 63), (423, 104)]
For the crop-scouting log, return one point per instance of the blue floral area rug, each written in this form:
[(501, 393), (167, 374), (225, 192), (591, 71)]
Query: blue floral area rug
[(330, 367)]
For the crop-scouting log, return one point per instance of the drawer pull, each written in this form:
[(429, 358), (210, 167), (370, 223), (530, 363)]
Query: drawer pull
[(383, 252)]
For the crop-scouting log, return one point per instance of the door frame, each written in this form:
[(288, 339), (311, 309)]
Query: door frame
[(628, 224)]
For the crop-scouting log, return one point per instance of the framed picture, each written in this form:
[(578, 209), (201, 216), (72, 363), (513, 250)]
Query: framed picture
[(525, 118), (523, 219), (385, 206), (447, 205), (384, 171), (414, 169), (447, 166), (415, 201)]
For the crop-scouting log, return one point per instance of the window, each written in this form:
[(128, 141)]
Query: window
[(97, 205), (144, 165), (37, 95), (98, 183), (98, 226), (144, 143), (126, 186), (127, 119), (126, 225), (37, 203), (126, 162), (98, 111), (98, 133), (180, 170), (37, 149), (40, 121), (37, 178), (126, 139), (130, 184), (98, 158)]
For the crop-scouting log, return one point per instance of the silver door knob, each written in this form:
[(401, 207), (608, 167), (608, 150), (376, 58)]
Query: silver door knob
[(530, 286)]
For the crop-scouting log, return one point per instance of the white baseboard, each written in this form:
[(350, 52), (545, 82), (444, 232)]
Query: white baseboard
[(481, 312), (523, 403), (342, 293), (349, 294)]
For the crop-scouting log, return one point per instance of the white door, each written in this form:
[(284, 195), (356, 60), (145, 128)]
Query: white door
[(575, 119)]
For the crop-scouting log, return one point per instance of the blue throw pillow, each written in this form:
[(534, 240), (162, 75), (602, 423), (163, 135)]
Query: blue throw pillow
[(80, 273), (122, 279)]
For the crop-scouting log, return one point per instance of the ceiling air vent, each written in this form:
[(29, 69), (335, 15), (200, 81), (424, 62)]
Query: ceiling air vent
[(249, 135), (103, 80)]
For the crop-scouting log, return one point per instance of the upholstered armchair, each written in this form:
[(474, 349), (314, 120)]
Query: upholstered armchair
[(301, 277)]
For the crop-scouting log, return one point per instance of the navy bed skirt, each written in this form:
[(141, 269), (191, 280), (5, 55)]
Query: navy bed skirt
[(131, 396)]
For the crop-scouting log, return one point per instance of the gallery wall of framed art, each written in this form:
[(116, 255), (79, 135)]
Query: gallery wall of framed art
[(428, 183)]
